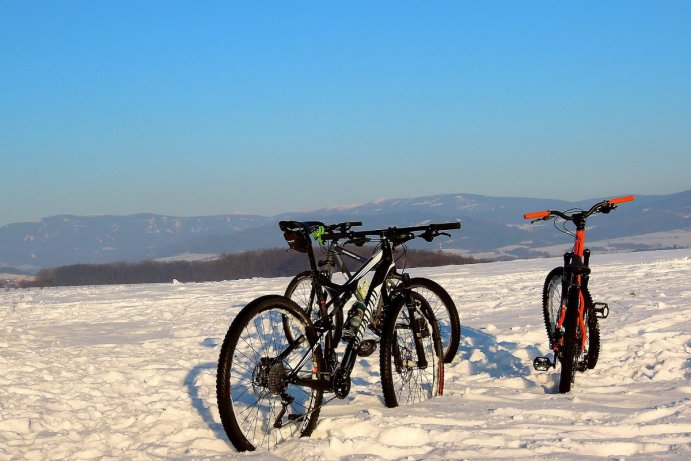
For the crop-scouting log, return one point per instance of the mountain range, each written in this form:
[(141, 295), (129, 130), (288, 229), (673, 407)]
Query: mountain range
[(492, 227)]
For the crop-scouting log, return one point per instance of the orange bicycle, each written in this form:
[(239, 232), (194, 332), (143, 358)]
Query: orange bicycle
[(569, 311)]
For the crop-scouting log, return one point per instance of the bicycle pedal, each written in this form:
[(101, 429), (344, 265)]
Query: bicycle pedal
[(601, 310), (542, 363), (367, 348)]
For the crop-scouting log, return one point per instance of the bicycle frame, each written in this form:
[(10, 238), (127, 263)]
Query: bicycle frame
[(334, 259), (335, 253), (341, 293), (382, 261)]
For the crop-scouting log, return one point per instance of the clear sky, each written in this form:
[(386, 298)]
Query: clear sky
[(199, 108)]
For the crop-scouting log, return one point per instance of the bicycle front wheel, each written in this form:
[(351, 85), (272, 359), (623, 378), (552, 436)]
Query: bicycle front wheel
[(410, 372), (551, 309), (445, 312), (263, 381)]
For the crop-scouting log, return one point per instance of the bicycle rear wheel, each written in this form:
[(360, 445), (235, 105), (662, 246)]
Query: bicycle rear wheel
[(551, 302), (405, 380), (571, 347), (260, 401), (593, 332)]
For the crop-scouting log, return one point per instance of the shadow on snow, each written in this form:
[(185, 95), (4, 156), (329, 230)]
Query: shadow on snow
[(485, 355), (193, 385)]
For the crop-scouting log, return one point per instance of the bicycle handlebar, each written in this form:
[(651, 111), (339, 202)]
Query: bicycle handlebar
[(297, 233), (401, 230), (430, 231), (604, 206)]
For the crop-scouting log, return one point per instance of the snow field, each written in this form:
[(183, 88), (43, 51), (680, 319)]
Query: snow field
[(128, 372)]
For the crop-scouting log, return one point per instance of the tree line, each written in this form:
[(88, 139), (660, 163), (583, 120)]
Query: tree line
[(273, 262)]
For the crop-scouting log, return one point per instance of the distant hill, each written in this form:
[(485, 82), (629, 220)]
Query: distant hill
[(491, 227)]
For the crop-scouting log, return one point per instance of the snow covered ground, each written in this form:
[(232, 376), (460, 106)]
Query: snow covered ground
[(128, 372)]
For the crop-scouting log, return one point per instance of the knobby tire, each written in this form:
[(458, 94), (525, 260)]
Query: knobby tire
[(551, 305), (403, 383), (445, 312), (252, 382), (571, 346)]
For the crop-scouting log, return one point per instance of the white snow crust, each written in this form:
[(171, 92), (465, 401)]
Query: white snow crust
[(128, 373)]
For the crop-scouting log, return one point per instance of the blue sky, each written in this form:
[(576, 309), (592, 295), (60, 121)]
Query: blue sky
[(199, 108)]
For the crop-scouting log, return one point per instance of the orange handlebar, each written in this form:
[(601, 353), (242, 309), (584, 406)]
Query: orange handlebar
[(537, 214), (614, 201)]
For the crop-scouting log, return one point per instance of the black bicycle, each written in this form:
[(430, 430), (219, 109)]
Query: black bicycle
[(276, 363), (300, 290)]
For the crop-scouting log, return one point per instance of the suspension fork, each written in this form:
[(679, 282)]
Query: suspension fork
[(583, 257), (565, 288), (415, 326), (577, 264), (576, 274), (567, 303)]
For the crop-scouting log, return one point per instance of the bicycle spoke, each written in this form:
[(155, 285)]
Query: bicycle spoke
[(405, 382), (259, 406)]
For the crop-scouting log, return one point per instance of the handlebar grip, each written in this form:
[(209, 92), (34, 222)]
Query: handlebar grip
[(536, 215), (614, 201), (448, 226)]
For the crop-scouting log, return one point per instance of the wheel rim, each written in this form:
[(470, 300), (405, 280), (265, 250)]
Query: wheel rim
[(413, 384), (301, 295), (440, 313), (267, 408)]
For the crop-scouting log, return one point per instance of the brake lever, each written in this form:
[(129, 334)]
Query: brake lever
[(428, 235), (546, 218), (358, 241), (607, 208)]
